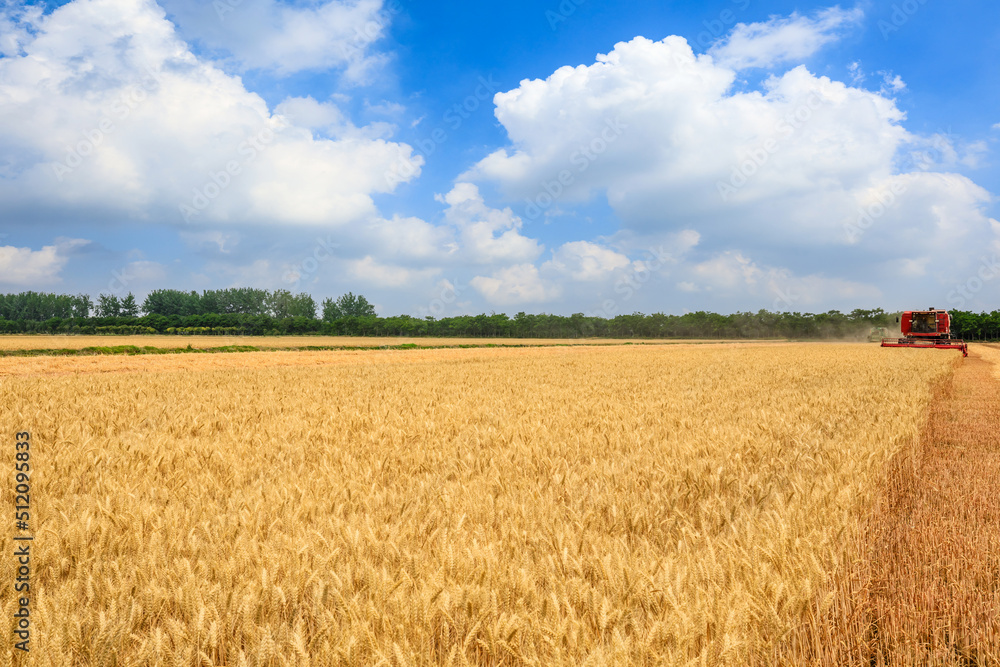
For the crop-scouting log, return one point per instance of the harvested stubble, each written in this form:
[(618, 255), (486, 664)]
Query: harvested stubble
[(937, 585), (669, 505), (925, 586)]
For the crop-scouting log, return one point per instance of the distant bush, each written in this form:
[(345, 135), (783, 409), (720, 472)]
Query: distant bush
[(124, 330)]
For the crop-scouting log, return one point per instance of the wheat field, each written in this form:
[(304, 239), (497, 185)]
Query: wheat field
[(661, 505), (929, 593), (78, 342)]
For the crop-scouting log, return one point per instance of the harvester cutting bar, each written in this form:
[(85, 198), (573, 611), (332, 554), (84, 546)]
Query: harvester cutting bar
[(941, 344)]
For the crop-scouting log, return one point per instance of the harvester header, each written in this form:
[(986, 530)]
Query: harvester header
[(926, 328)]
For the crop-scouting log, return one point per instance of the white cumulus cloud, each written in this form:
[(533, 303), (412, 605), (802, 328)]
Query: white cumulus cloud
[(733, 274), (284, 37), (16, 23), (516, 285), (24, 267), (800, 174), (486, 235), (782, 40), (583, 260), (370, 271), (107, 111)]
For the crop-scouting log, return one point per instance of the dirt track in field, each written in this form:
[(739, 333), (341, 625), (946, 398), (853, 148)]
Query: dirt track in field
[(923, 587), (936, 564)]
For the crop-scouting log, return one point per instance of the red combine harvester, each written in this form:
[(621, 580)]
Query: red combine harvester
[(926, 328)]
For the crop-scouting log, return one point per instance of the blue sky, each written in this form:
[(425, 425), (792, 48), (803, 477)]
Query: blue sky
[(447, 157)]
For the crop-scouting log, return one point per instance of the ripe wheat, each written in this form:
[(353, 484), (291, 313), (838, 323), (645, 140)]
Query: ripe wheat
[(925, 589), (673, 505), (75, 342)]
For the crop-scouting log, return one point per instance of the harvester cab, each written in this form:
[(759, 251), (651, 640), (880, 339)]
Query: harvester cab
[(926, 328)]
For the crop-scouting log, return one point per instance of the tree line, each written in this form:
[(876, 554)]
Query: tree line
[(248, 311), (279, 304)]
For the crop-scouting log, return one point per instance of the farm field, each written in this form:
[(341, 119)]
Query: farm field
[(60, 342), (674, 504), (935, 541), (47, 365)]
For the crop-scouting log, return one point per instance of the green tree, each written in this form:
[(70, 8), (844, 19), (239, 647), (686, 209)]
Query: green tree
[(82, 305), (331, 311), (108, 305), (172, 302), (303, 305), (279, 303), (128, 307), (347, 305)]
